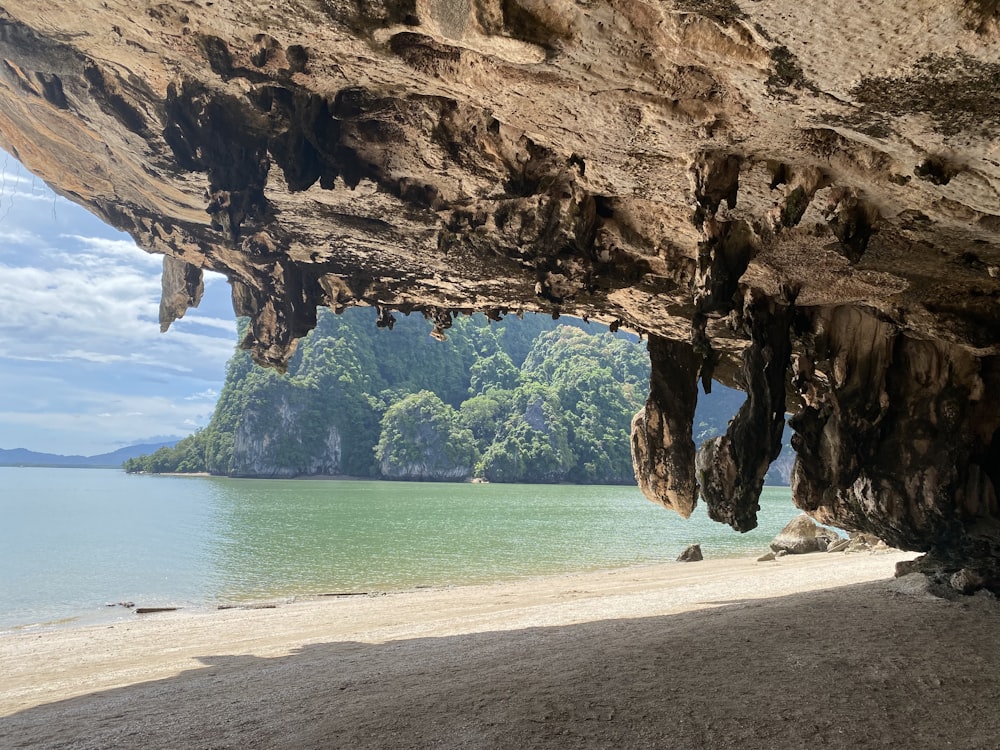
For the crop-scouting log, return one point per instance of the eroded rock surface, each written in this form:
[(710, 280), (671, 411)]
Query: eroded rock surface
[(663, 452), (801, 199), (802, 535)]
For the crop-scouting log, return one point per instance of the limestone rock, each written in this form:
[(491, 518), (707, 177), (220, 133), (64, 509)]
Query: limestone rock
[(691, 554), (801, 207), (265, 438), (862, 542), (663, 453), (906, 567), (967, 581), (802, 535), (916, 585), (420, 441), (838, 546)]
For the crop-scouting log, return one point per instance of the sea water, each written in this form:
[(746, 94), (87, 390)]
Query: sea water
[(73, 541)]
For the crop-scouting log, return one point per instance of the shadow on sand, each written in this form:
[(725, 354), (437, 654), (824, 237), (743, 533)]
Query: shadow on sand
[(853, 667)]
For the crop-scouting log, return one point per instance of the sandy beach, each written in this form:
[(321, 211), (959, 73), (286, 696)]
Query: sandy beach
[(807, 651)]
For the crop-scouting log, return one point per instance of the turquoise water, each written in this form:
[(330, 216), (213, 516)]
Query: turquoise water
[(73, 540)]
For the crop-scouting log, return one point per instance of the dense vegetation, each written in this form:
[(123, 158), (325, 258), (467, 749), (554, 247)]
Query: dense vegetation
[(527, 400)]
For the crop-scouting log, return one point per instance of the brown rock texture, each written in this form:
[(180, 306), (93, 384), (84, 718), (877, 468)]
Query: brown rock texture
[(801, 199), (692, 553), (802, 535)]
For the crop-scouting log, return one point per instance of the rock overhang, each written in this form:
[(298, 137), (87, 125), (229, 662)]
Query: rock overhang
[(799, 199)]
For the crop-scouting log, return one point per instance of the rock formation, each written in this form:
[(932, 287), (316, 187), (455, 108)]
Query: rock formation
[(262, 438), (802, 535), (691, 553), (801, 199)]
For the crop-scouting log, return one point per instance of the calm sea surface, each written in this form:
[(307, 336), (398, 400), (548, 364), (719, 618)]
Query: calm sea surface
[(74, 540)]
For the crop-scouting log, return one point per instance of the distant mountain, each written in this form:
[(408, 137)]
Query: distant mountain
[(23, 457)]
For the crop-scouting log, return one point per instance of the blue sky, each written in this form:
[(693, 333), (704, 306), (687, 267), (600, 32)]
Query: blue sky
[(84, 368)]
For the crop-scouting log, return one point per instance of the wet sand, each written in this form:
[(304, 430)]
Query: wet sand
[(819, 650)]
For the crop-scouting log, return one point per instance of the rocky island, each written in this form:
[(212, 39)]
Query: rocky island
[(801, 200)]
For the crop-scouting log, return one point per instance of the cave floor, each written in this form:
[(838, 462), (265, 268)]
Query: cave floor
[(818, 651)]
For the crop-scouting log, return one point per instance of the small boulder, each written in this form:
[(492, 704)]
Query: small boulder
[(913, 584), (907, 567), (802, 535), (967, 581), (862, 542), (825, 537), (839, 546), (766, 557), (691, 554)]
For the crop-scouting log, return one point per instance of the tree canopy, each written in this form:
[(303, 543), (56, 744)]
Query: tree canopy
[(516, 401)]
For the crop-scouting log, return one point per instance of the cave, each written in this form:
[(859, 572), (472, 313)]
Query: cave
[(804, 208)]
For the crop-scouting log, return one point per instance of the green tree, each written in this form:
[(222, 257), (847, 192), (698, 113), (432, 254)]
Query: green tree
[(482, 415), (423, 439), (493, 372), (534, 400), (532, 445)]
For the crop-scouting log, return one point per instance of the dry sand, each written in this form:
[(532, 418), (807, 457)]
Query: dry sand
[(813, 651)]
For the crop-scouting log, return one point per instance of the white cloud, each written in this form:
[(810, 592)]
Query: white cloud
[(229, 326), (19, 237), (90, 432), (209, 394), (11, 181), (98, 311), (83, 365), (9, 200), (70, 302), (117, 250)]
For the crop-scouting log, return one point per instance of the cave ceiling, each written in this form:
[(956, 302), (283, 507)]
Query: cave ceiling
[(800, 199)]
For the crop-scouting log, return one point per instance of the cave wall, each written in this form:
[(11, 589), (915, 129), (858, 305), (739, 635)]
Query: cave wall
[(799, 199)]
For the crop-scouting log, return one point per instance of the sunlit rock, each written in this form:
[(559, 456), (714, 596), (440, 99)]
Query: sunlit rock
[(801, 206)]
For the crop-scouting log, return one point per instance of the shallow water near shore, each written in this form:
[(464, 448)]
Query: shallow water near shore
[(75, 540)]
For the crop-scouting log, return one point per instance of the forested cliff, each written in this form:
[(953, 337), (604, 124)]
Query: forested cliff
[(532, 400)]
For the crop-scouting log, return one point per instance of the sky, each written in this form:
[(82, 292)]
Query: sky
[(84, 368)]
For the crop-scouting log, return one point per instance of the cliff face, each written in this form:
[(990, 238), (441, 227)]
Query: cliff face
[(801, 199), (272, 444), (421, 439)]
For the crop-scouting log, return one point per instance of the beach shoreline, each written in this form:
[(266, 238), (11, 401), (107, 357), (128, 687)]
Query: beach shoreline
[(42, 666), (819, 650)]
